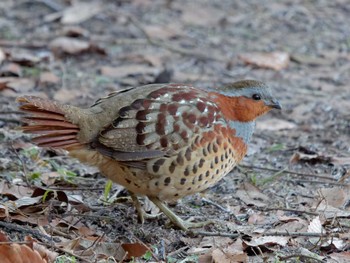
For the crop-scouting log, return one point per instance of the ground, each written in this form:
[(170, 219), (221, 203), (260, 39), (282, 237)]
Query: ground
[(289, 201)]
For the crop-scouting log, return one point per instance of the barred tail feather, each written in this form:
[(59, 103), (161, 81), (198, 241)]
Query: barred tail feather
[(47, 119)]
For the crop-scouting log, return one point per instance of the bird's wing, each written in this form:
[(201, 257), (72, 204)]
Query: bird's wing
[(160, 124)]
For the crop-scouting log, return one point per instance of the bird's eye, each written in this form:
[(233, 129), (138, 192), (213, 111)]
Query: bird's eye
[(256, 97)]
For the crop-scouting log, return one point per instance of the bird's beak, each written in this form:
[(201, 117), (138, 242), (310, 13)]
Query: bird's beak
[(275, 104)]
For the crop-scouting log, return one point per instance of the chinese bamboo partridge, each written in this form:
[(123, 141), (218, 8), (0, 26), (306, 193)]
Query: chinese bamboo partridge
[(164, 141)]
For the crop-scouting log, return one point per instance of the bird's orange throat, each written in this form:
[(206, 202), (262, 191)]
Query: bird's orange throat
[(241, 108)]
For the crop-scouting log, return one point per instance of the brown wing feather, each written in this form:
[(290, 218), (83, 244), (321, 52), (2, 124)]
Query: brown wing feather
[(159, 125)]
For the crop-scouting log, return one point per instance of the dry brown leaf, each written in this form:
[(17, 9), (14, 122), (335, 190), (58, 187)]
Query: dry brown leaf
[(275, 60), (11, 70), (273, 124), (256, 219), (232, 253), (251, 195), (337, 196), (267, 241), (16, 253), (66, 95), (69, 45), (48, 77), (11, 86), (219, 256), (14, 191), (134, 250), (44, 252), (208, 244), (80, 12), (24, 58), (127, 70)]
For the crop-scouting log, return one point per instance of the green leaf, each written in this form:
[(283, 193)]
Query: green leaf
[(45, 195), (107, 190), (147, 256)]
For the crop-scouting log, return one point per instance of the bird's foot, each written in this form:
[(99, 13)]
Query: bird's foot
[(141, 213), (177, 221)]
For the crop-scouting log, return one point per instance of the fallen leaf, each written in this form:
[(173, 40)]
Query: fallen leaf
[(69, 45), (14, 191), (16, 253), (219, 256), (275, 60), (251, 195), (267, 241), (11, 70), (24, 58), (134, 250), (232, 253), (337, 197), (80, 12), (66, 95), (48, 77), (208, 244), (44, 252), (11, 86), (315, 226), (329, 211)]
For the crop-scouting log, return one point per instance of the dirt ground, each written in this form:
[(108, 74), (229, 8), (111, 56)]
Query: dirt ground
[(289, 201)]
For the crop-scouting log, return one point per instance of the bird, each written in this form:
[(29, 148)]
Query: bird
[(162, 141)]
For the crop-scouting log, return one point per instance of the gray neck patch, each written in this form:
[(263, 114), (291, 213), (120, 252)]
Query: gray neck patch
[(244, 130)]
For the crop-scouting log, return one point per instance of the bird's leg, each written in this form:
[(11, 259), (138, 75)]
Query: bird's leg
[(177, 221), (141, 214)]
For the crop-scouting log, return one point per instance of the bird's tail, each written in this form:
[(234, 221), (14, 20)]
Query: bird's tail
[(47, 119)]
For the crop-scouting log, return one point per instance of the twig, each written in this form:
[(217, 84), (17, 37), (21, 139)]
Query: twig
[(288, 210), (24, 167), (21, 229), (287, 171), (276, 233), (178, 251), (211, 234), (216, 205), (315, 182), (300, 234)]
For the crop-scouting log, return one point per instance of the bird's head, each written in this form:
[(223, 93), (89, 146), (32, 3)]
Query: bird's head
[(246, 100)]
